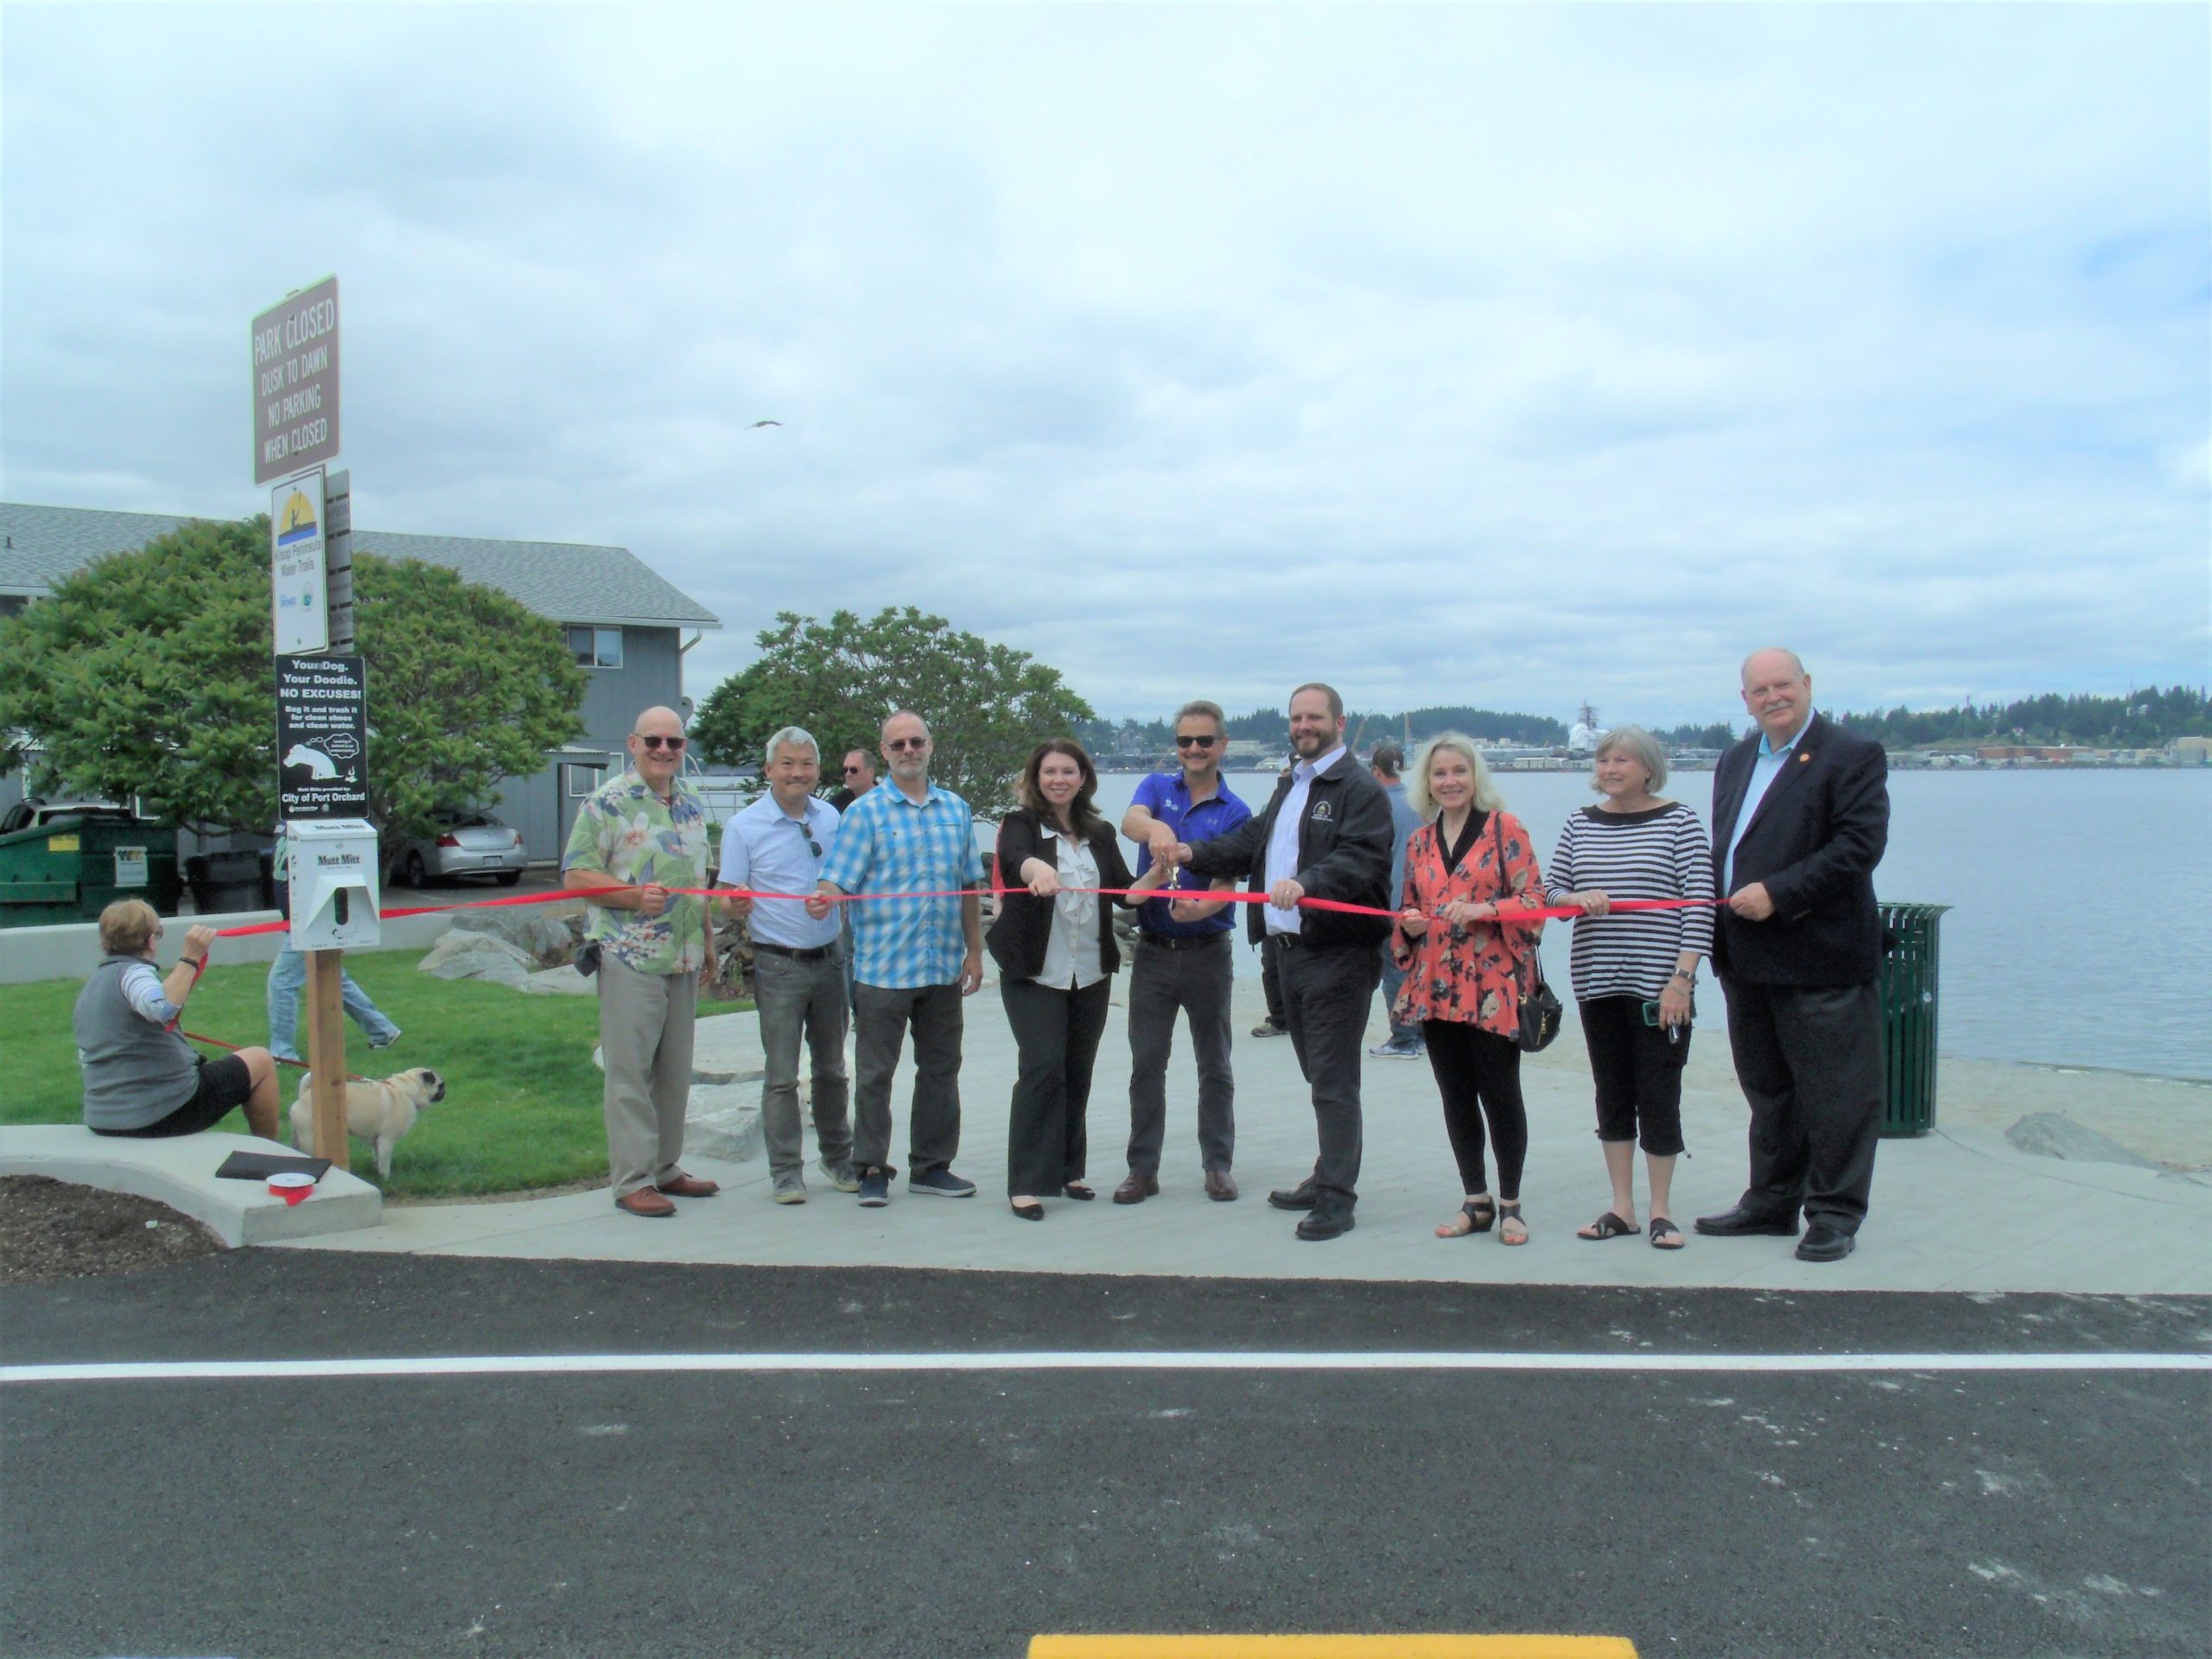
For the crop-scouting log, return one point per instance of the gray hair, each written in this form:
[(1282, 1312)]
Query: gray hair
[(1201, 708), (791, 737), (1640, 746), (902, 713), (1796, 663), (1487, 799)]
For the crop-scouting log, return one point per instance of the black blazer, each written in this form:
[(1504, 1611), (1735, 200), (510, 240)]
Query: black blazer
[(1814, 840), (1024, 926), (1343, 853)]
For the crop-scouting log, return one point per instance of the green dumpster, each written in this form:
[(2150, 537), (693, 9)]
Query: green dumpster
[(70, 868), (1909, 1005)]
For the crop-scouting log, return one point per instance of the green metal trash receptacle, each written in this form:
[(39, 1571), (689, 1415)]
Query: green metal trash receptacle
[(70, 868), (1909, 1005)]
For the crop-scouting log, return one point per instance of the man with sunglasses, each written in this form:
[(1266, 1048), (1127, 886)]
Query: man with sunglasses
[(777, 845), (859, 778), (635, 839), (1182, 966), (915, 958)]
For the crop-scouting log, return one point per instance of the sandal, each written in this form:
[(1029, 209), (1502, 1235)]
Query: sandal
[(1609, 1225), (1509, 1215), (1665, 1235), (1476, 1215)]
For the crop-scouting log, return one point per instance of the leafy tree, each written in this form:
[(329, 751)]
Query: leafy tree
[(150, 673), (987, 705)]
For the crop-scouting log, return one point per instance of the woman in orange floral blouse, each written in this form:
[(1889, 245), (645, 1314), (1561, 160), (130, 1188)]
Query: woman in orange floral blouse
[(1471, 873)]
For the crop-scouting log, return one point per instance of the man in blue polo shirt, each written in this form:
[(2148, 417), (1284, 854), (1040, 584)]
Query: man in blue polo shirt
[(1183, 961)]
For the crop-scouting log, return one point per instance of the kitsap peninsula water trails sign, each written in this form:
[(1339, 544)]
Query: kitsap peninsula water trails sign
[(295, 383)]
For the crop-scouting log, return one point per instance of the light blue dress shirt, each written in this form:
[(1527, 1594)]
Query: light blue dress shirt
[(766, 849), (1282, 840), (1764, 771)]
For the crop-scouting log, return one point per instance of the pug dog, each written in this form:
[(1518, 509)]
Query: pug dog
[(382, 1111)]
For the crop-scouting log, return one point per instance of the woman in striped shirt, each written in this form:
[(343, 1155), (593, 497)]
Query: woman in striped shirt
[(1634, 845)]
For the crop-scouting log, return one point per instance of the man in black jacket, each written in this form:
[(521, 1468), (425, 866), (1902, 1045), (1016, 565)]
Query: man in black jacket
[(1325, 833), (1801, 814)]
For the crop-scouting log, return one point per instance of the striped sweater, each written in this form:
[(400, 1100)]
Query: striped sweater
[(1658, 853)]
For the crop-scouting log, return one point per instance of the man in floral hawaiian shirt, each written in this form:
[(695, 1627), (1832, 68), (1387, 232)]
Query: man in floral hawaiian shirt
[(634, 840)]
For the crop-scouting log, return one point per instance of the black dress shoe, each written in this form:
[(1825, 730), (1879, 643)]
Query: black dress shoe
[(1327, 1221), (1825, 1242), (1740, 1222), (1304, 1196)]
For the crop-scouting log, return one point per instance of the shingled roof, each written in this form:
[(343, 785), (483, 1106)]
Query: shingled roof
[(568, 582)]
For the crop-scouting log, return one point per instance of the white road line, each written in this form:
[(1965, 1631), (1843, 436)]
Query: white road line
[(239, 1370)]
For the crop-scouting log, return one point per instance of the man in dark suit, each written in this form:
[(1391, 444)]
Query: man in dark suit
[(1801, 814), (1325, 834)]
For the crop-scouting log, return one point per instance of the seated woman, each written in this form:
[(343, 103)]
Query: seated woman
[(140, 1078), (1057, 956), (1463, 942), (1634, 845)]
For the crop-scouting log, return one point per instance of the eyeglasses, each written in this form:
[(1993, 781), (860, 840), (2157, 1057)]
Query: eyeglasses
[(1182, 742), (673, 745), (157, 936), (812, 845), (901, 745)]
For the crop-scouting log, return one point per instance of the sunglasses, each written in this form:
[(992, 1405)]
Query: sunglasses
[(851, 770), (1182, 742), (812, 845), (901, 745), (673, 745)]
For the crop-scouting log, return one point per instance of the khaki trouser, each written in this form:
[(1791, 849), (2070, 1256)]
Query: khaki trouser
[(644, 1036)]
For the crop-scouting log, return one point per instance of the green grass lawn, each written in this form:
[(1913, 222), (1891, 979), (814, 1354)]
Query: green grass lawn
[(522, 1105)]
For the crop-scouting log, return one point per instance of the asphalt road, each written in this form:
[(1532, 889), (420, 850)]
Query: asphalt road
[(923, 1512)]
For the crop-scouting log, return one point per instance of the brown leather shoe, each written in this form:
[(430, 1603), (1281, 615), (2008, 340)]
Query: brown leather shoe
[(646, 1203), (1221, 1186), (1137, 1189), (690, 1186)]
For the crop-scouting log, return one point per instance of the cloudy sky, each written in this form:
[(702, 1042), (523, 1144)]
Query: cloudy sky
[(1476, 354)]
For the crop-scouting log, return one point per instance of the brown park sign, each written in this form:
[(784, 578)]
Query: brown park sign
[(295, 383)]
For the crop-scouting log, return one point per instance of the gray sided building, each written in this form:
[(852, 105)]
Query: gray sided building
[(626, 626)]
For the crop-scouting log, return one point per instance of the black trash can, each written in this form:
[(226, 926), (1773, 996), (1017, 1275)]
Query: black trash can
[(222, 883), (1909, 1006)]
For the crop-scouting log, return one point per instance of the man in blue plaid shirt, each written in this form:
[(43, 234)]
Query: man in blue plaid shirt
[(913, 960)]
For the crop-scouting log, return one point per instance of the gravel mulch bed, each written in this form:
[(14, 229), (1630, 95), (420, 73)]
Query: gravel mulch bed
[(55, 1230)]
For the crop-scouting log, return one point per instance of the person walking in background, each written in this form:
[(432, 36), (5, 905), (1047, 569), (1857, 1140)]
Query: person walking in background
[(914, 959), (858, 773), (1634, 970), (1462, 937), (1056, 958), (633, 840), (1404, 1042), (1182, 966), (1325, 833), (778, 845), (288, 977), (1801, 816)]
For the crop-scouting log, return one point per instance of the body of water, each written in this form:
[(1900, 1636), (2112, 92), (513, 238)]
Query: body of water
[(2078, 932)]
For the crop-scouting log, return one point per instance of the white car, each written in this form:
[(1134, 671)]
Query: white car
[(466, 844)]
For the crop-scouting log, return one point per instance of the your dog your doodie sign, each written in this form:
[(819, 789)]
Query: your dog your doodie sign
[(322, 738)]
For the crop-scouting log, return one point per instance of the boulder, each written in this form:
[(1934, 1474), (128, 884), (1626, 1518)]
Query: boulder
[(2052, 1135), (724, 1122), (478, 956), (546, 933), (560, 982)]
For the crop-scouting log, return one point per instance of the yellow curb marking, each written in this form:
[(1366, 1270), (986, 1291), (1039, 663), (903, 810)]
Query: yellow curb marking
[(1331, 1647)]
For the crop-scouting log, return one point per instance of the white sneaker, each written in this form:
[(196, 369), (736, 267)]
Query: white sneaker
[(790, 1188)]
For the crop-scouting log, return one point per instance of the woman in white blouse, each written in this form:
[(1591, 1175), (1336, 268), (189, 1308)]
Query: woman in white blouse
[(1054, 946)]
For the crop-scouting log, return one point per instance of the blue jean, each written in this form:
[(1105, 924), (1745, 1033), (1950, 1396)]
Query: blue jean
[(288, 977), (1393, 977)]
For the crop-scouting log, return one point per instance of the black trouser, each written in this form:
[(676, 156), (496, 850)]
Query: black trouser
[(1192, 978), (1271, 983), (1326, 995), (1056, 1035), (1809, 1060), (1638, 1074), (1479, 1074)]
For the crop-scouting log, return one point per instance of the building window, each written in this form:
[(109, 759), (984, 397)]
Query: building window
[(596, 647), (585, 780)]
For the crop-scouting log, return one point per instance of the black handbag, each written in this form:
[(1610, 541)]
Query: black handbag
[(1539, 1010)]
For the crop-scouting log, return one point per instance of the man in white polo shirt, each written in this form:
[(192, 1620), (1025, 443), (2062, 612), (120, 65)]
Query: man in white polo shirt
[(777, 845)]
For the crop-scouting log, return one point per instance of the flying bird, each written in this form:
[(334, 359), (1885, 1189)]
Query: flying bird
[(757, 425)]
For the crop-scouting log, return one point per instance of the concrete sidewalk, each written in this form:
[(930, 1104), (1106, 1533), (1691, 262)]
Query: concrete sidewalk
[(1959, 1210)]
